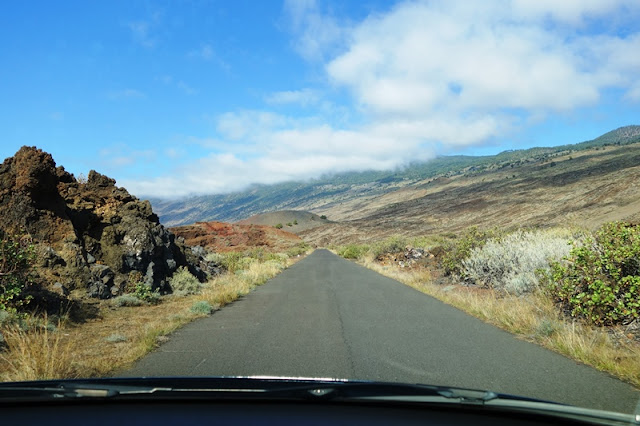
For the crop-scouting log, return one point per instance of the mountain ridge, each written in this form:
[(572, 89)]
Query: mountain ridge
[(322, 194)]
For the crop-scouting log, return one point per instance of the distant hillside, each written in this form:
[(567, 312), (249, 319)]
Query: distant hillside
[(582, 188), (291, 220), (325, 195), (223, 237)]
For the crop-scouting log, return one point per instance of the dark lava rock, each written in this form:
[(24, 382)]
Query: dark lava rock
[(89, 235)]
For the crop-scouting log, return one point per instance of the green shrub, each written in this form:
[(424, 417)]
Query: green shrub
[(289, 224), (235, 261), (600, 280), (295, 222), (353, 251), (298, 250), (182, 282), (16, 257), (126, 300), (278, 226), (5, 318), (216, 258), (455, 252), (230, 261), (10, 318), (547, 327), (323, 217), (144, 293), (395, 244), (258, 253), (201, 307)]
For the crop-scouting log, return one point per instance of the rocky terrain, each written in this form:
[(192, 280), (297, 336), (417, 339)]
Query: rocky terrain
[(91, 237), (223, 237)]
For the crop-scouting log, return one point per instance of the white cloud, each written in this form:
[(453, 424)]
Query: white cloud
[(273, 148), (504, 60), (407, 61), (633, 94), (421, 77), (249, 125), (223, 173), (314, 32)]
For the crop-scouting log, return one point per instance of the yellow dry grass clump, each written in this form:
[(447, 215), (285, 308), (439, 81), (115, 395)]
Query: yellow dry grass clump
[(37, 354), (120, 335)]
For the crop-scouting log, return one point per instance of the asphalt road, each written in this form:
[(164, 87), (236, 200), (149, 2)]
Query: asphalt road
[(328, 317)]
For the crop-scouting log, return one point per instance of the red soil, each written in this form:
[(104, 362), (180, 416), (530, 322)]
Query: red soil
[(221, 237)]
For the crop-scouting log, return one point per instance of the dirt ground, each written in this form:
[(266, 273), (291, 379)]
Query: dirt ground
[(222, 237)]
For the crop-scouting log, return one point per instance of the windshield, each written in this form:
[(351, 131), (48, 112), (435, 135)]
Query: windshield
[(434, 192)]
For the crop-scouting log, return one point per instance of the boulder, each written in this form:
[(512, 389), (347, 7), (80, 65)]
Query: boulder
[(60, 289)]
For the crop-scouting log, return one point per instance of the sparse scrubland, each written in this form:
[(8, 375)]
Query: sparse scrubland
[(568, 289), (123, 329)]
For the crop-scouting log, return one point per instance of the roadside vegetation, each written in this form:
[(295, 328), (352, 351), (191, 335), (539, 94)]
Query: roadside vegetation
[(16, 256), (38, 346), (570, 290)]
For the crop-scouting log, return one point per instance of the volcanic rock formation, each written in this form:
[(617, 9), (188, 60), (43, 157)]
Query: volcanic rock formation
[(88, 235)]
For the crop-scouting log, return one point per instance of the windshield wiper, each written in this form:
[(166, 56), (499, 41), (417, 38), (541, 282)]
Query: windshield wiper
[(392, 391), (73, 390), (267, 388)]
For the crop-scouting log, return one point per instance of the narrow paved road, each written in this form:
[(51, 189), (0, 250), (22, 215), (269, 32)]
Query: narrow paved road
[(328, 317)]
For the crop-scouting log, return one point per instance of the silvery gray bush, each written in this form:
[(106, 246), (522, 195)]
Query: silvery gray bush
[(510, 263)]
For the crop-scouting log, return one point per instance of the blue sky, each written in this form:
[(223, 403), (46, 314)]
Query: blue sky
[(173, 98)]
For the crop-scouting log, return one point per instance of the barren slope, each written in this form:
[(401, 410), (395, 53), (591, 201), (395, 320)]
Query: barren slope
[(220, 237), (583, 188), (294, 221)]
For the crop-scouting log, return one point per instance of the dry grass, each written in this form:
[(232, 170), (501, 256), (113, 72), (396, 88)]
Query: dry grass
[(37, 354), (227, 288), (532, 317), (88, 349)]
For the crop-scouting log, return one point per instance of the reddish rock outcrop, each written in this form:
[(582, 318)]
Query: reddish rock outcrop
[(89, 235)]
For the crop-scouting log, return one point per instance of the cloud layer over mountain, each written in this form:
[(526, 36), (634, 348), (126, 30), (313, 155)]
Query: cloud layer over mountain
[(420, 78)]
